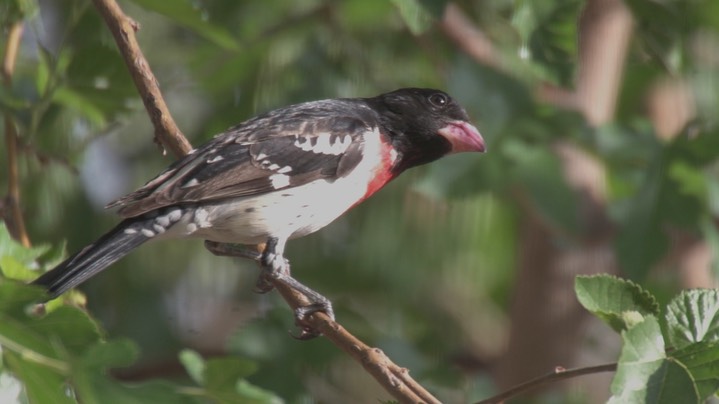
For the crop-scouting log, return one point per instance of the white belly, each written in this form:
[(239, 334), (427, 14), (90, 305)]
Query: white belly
[(253, 220)]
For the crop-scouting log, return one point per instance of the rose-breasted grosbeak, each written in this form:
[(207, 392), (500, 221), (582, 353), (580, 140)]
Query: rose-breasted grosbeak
[(281, 175)]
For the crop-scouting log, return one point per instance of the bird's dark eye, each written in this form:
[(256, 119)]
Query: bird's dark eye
[(438, 100)]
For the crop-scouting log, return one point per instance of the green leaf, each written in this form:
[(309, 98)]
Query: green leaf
[(13, 269), (711, 236), (691, 180), (619, 303), (414, 14), (541, 175), (24, 255), (194, 365), (222, 374), (67, 325), (77, 101), (702, 362), (644, 374), (42, 384), (553, 43), (30, 346), (248, 392), (641, 240), (111, 354), (692, 316), (183, 12), (223, 378), (94, 387), (42, 75), (15, 297)]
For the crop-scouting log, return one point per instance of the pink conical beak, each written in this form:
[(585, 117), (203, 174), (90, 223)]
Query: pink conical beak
[(463, 136)]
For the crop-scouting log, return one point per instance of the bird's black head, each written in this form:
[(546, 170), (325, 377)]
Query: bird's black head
[(424, 125)]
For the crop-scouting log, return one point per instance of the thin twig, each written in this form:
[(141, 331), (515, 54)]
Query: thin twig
[(557, 375), (394, 379), (16, 222), (123, 29)]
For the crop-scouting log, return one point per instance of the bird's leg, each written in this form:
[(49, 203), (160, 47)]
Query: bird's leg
[(233, 250), (241, 251), (276, 267)]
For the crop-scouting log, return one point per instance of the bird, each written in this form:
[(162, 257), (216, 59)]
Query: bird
[(278, 176)]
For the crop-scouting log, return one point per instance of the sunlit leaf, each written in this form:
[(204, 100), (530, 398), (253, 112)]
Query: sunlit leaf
[(618, 302), (645, 374), (691, 317)]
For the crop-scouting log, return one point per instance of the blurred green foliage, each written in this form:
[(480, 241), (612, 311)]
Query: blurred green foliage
[(424, 270)]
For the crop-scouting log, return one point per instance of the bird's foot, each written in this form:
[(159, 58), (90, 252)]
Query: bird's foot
[(275, 268), (318, 304)]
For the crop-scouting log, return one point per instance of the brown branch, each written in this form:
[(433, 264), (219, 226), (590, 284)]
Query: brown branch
[(394, 379), (123, 29), (16, 224), (557, 375), (468, 37)]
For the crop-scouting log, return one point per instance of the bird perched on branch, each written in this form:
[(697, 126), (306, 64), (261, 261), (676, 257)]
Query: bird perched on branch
[(281, 175)]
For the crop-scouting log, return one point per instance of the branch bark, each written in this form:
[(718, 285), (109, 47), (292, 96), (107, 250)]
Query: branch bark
[(167, 134), (12, 209), (393, 378)]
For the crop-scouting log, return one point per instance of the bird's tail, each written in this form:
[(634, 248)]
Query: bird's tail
[(112, 246)]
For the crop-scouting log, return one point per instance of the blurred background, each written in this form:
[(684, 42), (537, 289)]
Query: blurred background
[(602, 132)]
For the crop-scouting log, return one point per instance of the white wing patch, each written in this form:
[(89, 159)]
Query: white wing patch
[(279, 180), (324, 143)]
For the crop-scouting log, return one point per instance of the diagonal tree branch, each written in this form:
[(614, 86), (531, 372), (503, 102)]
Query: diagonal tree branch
[(394, 379), (12, 201), (167, 134)]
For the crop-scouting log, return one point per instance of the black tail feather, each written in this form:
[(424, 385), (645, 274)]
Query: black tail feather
[(92, 259)]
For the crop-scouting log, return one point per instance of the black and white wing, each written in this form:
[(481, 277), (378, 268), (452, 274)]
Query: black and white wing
[(283, 149)]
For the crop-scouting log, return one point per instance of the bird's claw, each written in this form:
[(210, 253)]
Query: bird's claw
[(302, 314)]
